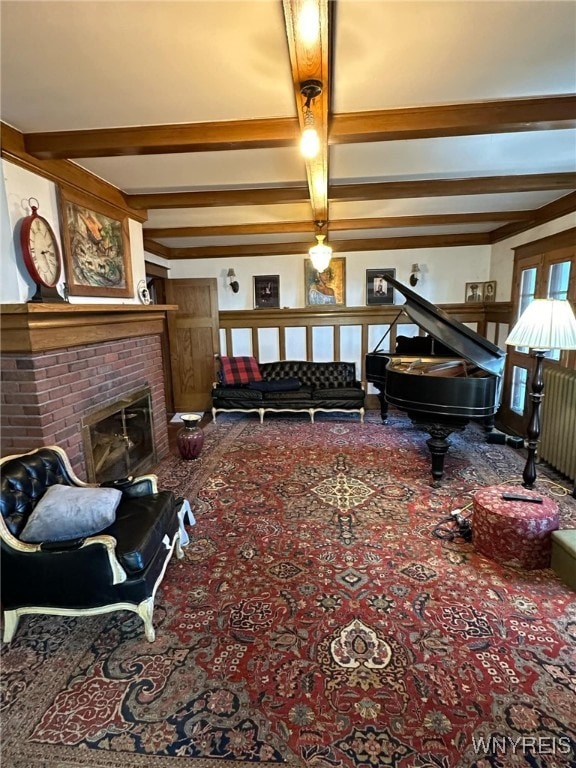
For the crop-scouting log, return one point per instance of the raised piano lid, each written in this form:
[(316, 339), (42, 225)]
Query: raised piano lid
[(458, 337)]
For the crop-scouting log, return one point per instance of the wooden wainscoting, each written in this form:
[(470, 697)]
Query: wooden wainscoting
[(486, 319)]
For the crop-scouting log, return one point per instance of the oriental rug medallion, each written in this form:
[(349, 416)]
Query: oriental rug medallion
[(324, 615)]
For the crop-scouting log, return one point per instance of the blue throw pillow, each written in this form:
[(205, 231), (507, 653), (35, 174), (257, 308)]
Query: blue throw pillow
[(68, 512), (279, 385)]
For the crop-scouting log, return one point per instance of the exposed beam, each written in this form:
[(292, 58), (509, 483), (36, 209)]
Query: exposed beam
[(64, 172), (340, 225), (156, 248), (428, 220), (307, 32), (267, 228), (338, 246), (505, 116), (387, 190), (219, 197), (165, 139), (536, 114), (393, 190), (553, 210)]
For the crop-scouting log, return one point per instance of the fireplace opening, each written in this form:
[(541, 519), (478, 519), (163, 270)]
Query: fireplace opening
[(119, 438)]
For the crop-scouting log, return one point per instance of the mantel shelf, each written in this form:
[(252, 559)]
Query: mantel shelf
[(40, 327)]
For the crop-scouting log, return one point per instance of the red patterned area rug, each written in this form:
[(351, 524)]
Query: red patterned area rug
[(316, 621)]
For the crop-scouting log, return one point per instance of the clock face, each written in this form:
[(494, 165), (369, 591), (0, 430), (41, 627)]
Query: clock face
[(40, 249)]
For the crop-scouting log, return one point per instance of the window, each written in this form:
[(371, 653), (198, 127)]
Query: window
[(558, 281), (518, 389)]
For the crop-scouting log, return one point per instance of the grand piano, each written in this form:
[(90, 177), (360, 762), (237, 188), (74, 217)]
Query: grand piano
[(442, 380)]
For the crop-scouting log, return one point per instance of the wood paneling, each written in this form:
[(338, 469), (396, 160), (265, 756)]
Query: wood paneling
[(42, 327), (476, 315)]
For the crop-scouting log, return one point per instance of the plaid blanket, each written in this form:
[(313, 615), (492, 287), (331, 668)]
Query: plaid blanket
[(239, 370)]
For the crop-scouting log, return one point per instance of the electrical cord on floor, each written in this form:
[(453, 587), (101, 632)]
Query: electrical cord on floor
[(556, 489), (455, 526)]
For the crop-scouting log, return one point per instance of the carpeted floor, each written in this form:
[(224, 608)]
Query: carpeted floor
[(316, 620)]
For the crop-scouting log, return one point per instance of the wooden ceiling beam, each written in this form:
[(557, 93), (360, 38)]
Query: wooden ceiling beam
[(481, 185), (308, 35), (513, 115), (338, 246), (565, 205), (164, 139), (219, 197), (386, 190), (505, 116), (340, 225)]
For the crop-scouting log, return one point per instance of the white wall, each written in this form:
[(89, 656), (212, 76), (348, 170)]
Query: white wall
[(445, 271), (18, 186)]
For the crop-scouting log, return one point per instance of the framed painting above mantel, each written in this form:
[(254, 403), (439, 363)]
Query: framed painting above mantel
[(96, 246)]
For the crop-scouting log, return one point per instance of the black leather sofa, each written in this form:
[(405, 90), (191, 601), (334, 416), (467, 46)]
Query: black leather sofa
[(118, 568), (294, 386)]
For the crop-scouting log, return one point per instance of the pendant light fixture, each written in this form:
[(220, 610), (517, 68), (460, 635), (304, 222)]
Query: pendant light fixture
[(321, 253), (310, 141)]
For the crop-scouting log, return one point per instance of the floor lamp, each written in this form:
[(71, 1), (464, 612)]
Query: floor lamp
[(544, 325)]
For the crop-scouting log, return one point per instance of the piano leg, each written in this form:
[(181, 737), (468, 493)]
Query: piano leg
[(383, 404), (438, 443)]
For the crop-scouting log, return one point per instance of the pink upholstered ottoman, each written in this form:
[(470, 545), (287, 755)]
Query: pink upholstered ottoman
[(515, 533)]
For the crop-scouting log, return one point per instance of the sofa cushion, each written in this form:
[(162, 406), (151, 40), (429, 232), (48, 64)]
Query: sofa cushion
[(239, 370), (235, 393), (141, 524), (69, 512), (293, 395), (276, 385), (339, 393)]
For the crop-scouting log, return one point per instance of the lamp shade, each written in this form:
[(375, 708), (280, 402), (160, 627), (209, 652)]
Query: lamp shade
[(320, 254), (545, 324)]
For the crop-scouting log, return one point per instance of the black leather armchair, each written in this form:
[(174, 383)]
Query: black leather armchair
[(118, 568)]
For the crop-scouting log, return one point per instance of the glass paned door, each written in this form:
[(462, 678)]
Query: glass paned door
[(558, 283), (546, 274)]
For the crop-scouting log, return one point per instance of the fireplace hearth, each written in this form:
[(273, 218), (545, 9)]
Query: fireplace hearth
[(119, 438)]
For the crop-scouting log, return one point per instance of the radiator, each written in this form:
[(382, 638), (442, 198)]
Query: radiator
[(558, 436)]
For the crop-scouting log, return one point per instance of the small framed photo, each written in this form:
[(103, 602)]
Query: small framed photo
[(267, 291), (327, 287), (490, 290), (474, 292), (377, 289)]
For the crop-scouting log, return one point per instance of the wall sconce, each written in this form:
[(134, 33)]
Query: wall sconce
[(545, 324), (415, 276), (310, 141), (320, 254), (232, 282)]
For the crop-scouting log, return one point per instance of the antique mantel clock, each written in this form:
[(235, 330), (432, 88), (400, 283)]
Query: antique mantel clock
[(41, 255)]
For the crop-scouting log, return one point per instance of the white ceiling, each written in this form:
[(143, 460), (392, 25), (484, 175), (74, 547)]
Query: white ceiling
[(80, 65)]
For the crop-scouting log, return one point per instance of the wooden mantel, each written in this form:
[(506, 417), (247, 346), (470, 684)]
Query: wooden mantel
[(41, 327)]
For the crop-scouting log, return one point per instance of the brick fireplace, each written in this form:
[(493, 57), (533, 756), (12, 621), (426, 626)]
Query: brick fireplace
[(62, 362)]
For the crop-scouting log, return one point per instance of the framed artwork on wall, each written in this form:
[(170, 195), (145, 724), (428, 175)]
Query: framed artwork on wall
[(377, 289), (266, 291), (327, 287), (490, 290), (96, 246), (474, 292)]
